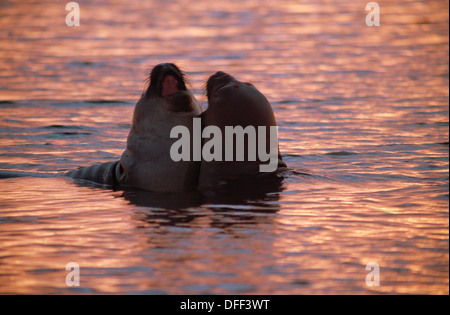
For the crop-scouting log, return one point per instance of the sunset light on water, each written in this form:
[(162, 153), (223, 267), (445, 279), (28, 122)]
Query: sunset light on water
[(362, 114)]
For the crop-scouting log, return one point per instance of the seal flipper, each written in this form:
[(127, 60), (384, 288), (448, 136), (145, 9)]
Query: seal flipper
[(104, 173)]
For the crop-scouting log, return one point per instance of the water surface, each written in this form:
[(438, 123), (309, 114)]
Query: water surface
[(363, 124)]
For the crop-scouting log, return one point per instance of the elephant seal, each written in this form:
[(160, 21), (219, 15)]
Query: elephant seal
[(235, 104), (146, 163)]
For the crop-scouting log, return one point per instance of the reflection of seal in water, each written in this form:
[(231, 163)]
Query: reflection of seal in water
[(235, 103), (146, 163)]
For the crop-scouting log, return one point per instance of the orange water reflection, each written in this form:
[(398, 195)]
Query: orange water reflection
[(363, 111)]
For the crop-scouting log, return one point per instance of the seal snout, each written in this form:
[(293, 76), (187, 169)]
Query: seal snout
[(216, 81), (165, 79), (169, 85), (219, 74)]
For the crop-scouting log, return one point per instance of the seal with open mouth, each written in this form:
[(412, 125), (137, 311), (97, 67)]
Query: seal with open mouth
[(146, 163)]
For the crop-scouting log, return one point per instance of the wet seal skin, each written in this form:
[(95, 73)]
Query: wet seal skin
[(234, 103), (167, 104), (146, 163)]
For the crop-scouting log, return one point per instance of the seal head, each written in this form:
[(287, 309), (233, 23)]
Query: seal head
[(232, 103), (146, 163)]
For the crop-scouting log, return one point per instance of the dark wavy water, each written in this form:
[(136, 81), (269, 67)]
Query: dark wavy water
[(363, 124)]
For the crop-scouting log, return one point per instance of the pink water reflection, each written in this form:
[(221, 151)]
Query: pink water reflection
[(363, 111)]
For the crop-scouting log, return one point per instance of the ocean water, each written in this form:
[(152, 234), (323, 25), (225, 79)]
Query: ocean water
[(363, 125)]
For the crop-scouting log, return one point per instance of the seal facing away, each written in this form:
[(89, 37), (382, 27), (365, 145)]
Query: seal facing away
[(146, 163), (238, 106)]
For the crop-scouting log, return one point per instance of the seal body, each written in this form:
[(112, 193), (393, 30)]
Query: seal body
[(146, 163), (231, 104)]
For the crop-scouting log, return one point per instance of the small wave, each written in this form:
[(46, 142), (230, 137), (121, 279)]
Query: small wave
[(7, 102), (61, 127), (291, 155), (13, 174), (74, 133), (105, 102), (67, 130), (65, 104), (300, 174), (341, 153)]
